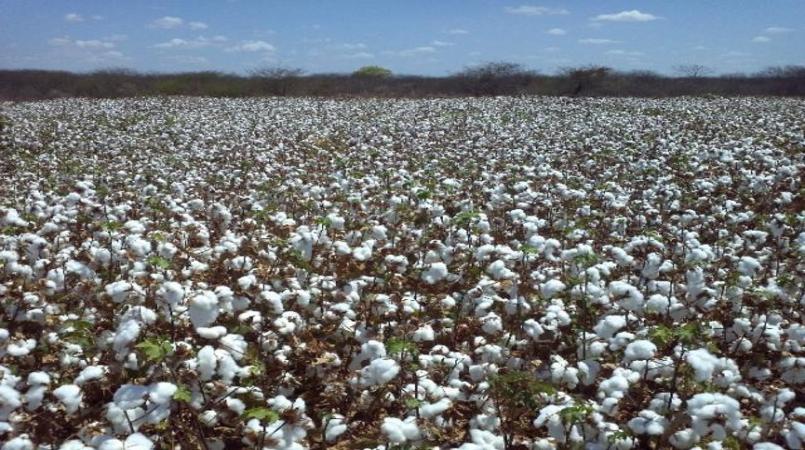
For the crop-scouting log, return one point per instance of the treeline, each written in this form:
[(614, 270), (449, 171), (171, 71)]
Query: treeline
[(486, 80)]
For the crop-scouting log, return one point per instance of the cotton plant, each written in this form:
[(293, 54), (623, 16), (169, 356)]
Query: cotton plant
[(301, 273)]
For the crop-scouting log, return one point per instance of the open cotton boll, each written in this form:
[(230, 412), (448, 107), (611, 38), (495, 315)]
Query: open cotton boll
[(161, 392), (335, 427), (639, 350), (90, 373), (748, 265), (550, 288), (428, 410), (703, 363), (127, 332), (435, 273), (70, 396), (206, 362), (499, 271), (649, 422), (380, 371), (400, 431), (609, 325), (138, 441), (203, 309), (22, 442)]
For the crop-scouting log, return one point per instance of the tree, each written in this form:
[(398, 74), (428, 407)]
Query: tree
[(372, 72), (495, 78), (584, 79), (693, 70), (277, 80)]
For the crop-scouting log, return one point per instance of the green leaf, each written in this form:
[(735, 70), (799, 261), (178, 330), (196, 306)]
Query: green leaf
[(529, 249), (413, 402), (158, 261), (155, 349), (464, 218), (111, 225), (263, 414), (395, 346), (182, 394)]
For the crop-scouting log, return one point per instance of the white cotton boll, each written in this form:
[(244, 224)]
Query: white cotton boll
[(628, 296), (703, 363), (648, 422), (21, 442), (609, 325), (379, 371), (129, 396), (486, 440), (399, 431), (161, 392), (364, 252), (640, 350), (138, 441), (203, 309), (90, 373), (342, 248), (118, 291), (127, 332), (499, 271), (550, 288), (748, 265), (491, 323), (211, 332), (335, 427), (20, 347), (235, 405), (766, 446), (247, 281), (435, 273), (424, 333), (70, 396), (10, 399), (206, 362), (74, 444), (428, 410), (533, 329)]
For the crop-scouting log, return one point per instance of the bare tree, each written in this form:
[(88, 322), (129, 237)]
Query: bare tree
[(277, 80), (693, 70)]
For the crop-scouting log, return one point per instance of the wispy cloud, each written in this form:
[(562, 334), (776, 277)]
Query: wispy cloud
[(557, 32), (167, 22), (252, 46), (438, 43), (761, 39), (199, 42), (417, 51), (597, 41), (533, 10), (623, 53), (92, 44), (626, 16), (73, 18), (457, 31), (197, 25), (778, 30), (360, 55)]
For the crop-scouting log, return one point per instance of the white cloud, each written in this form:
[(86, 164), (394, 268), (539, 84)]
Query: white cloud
[(90, 44), (252, 46), (597, 41), (531, 10), (456, 31), (188, 60), (197, 25), (761, 39), (416, 51), (438, 43), (199, 42), (778, 30), (626, 16), (167, 22), (360, 55), (557, 32), (623, 53), (93, 44), (97, 17), (348, 46), (73, 17)]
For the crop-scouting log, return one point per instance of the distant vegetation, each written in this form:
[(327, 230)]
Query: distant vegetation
[(497, 78)]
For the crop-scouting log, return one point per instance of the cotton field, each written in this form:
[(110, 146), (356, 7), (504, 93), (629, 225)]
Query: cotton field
[(472, 274)]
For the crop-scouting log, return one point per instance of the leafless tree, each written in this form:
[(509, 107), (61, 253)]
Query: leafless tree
[(693, 70)]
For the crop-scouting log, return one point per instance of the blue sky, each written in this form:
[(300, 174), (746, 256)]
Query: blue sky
[(413, 36)]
